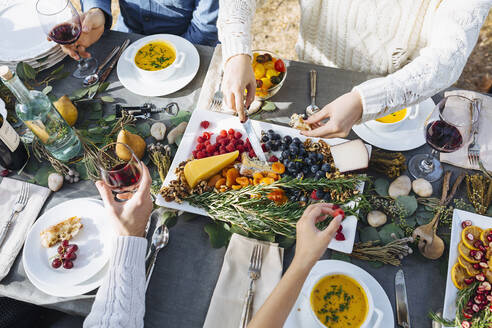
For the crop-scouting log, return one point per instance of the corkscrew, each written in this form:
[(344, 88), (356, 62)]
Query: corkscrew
[(147, 109)]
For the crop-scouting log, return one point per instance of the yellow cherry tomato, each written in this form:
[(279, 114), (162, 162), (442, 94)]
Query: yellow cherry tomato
[(259, 71), (267, 84), (269, 65), (271, 72)]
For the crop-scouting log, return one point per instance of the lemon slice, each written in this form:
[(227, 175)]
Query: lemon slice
[(458, 276), (484, 234), (465, 252), (468, 266), (470, 235)]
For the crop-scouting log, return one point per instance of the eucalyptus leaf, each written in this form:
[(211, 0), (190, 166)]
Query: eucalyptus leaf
[(218, 235), (183, 116), (57, 70), (95, 130), (132, 129), (61, 75), (47, 89), (171, 221), (94, 88), (146, 159), (411, 221), (286, 242), (82, 169), (408, 203), (143, 129), (238, 229), (29, 71), (103, 87), (95, 116), (387, 230), (42, 174), (423, 220), (107, 99), (368, 234), (268, 106), (19, 70), (381, 186), (340, 257), (79, 93), (110, 118)]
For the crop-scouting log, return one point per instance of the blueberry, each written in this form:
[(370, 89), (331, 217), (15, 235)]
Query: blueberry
[(319, 175), (299, 165), (276, 136), (320, 194), (269, 144), (292, 166), (286, 162), (270, 132), (296, 140), (300, 175), (274, 146), (293, 150), (287, 140), (303, 199), (285, 154), (293, 198), (308, 161), (320, 156), (265, 138), (314, 168), (284, 146), (326, 167), (327, 197), (305, 169), (313, 156)]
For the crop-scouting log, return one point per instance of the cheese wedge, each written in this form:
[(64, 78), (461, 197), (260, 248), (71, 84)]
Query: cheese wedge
[(350, 156), (202, 169)]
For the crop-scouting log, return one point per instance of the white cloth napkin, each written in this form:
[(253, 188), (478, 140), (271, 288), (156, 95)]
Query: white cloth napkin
[(9, 191), (460, 157), (228, 298)]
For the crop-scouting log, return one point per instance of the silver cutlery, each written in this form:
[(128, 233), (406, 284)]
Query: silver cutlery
[(474, 146), (218, 96), (253, 140), (19, 206), (160, 238), (92, 79), (254, 273), (401, 300), (312, 108)]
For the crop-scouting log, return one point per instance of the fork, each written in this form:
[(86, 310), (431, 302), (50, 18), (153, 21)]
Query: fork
[(218, 96), (474, 146), (18, 207), (254, 274)]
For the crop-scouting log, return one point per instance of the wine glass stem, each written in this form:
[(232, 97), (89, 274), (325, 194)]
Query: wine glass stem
[(427, 165)]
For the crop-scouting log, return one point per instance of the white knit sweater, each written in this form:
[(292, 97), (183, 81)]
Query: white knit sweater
[(420, 46), (120, 301)]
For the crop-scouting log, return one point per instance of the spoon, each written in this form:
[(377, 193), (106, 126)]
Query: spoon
[(312, 108), (92, 79), (160, 238)]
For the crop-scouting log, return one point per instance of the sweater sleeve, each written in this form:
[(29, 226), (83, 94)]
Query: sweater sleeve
[(454, 33), (234, 25), (120, 301)]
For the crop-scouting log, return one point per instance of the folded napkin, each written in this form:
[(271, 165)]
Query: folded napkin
[(9, 191), (460, 157), (211, 81), (228, 298)]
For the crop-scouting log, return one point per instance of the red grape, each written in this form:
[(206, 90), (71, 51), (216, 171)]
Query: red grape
[(61, 249), (64, 243), (67, 264), (56, 263), (72, 248)]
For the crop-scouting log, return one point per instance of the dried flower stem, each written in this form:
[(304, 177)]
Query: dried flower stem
[(391, 253)]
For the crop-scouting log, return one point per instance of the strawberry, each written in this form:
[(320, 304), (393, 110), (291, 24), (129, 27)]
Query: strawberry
[(238, 135), (205, 124), (340, 236), (273, 158)]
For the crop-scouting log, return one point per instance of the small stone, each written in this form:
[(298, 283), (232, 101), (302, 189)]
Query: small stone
[(422, 187), (376, 218), (55, 181), (158, 130), (400, 187)]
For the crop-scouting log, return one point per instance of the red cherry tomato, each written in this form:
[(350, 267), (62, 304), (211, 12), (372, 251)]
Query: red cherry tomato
[(280, 66)]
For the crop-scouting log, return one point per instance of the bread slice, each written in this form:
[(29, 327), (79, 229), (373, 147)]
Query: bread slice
[(66, 229)]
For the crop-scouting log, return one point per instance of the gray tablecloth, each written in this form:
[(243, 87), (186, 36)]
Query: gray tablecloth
[(187, 270)]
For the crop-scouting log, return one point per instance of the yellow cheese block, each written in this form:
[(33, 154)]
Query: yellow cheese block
[(201, 169)]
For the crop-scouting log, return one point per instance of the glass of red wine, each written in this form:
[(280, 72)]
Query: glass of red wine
[(447, 129), (121, 176), (61, 22)]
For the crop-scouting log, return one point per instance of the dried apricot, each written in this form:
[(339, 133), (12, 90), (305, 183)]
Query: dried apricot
[(242, 181), (267, 180), (213, 180), (278, 167), (236, 187), (258, 175), (231, 176), (220, 183), (273, 175)]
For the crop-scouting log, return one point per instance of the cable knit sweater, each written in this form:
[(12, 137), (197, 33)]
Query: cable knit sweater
[(120, 301), (420, 46)]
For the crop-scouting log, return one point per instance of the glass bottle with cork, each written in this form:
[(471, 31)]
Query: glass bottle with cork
[(36, 111)]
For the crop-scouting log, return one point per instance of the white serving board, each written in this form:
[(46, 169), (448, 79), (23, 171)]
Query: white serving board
[(220, 121), (449, 309)]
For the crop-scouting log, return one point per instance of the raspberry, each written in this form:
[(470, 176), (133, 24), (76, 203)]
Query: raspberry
[(240, 148), (206, 143), (231, 131), (313, 195), (210, 149), (200, 139), (338, 212), (252, 153), (195, 153), (200, 146), (273, 158), (238, 135), (340, 228), (340, 236), (222, 151), (201, 154), (230, 148), (206, 135), (205, 124), (238, 142), (223, 133), (264, 148), (216, 153)]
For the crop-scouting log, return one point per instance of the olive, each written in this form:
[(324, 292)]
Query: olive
[(275, 79), (261, 59), (268, 57), (259, 83)]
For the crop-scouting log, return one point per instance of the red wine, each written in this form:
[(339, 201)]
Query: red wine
[(65, 33), (123, 177), (13, 154), (443, 137)]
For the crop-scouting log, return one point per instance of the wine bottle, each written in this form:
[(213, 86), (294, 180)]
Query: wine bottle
[(13, 154), (36, 111)]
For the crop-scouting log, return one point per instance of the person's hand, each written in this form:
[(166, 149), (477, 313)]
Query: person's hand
[(129, 217), (92, 29), (238, 75), (311, 242), (342, 113)]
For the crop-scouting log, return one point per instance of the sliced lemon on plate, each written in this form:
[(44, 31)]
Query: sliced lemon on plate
[(468, 266), (470, 235), (458, 276), (465, 252), (484, 234)]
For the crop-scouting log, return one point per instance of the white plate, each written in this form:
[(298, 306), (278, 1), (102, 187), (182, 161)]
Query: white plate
[(22, 35), (131, 80), (408, 136), (219, 121), (94, 241), (300, 315), (449, 309)]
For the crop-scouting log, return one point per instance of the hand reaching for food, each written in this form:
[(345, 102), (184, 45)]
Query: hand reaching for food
[(92, 28), (238, 76), (129, 217), (343, 113)]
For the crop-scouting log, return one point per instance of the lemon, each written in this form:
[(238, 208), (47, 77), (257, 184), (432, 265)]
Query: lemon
[(67, 110), (484, 234), (458, 276), (470, 235), (38, 128), (465, 252), (468, 266)]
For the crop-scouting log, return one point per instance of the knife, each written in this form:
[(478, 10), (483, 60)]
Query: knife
[(108, 69), (401, 300), (253, 140)]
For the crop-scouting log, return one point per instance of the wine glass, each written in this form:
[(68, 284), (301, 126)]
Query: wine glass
[(447, 129), (61, 22), (121, 176)]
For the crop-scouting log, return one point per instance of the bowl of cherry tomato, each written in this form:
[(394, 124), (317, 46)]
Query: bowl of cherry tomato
[(270, 73)]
